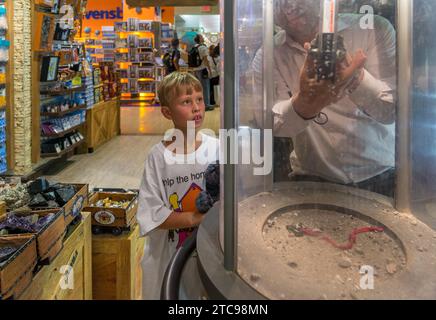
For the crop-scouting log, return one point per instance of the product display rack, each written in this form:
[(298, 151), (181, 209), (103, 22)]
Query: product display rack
[(4, 59), (62, 115), (135, 59)]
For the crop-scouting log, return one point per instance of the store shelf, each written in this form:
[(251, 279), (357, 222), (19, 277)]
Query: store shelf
[(63, 133), (63, 92), (126, 48), (63, 152), (138, 62), (63, 113)]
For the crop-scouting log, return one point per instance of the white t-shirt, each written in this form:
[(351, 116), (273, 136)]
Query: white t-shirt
[(358, 141), (203, 51), (214, 64), (166, 188)]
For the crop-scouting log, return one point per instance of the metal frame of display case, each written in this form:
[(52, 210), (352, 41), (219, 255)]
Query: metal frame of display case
[(217, 249)]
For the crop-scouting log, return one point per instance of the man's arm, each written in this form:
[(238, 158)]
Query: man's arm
[(375, 93), (286, 122)]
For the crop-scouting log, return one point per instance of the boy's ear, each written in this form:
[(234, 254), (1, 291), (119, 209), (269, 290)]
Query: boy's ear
[(166, 112)]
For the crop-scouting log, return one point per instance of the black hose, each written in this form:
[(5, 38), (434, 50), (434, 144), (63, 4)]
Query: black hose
[(171, 281)]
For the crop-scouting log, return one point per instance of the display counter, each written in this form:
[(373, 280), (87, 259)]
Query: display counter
[(103, 123), (116, 267), (69, 275)]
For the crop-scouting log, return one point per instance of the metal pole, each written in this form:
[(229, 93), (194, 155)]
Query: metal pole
[(404, 89), (268, 76), (228, 188)]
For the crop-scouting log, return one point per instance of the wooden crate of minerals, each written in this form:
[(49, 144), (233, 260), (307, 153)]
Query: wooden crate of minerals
[(49, 239), (112, 211), (69, 276), (73, 208), (16, 267)]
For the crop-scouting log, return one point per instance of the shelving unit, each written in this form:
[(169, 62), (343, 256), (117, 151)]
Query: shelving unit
[(62, 113), (63, 152), (135, 59), (57, 103), (4, 49)]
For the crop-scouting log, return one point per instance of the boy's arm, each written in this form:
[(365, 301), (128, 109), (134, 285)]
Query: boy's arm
[(182, 220)]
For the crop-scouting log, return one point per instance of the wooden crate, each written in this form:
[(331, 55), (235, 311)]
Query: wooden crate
[(116, 266), (16, 273), (49, 282), (113, 217), (102, 123), (50, 238), (75, 205)]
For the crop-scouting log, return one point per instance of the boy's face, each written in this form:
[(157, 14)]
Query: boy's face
[(189, 106)]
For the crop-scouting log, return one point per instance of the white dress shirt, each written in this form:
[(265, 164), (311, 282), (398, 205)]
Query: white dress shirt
[(358, 141)]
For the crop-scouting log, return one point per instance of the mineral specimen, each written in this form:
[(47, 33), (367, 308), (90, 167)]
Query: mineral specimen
[(6, 253), (39, 185), (64, 194)]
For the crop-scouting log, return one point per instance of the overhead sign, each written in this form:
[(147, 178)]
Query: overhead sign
[(169, 3), (105, 14)]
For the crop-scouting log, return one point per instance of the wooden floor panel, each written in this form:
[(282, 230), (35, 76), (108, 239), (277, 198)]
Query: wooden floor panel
[(117, 164)]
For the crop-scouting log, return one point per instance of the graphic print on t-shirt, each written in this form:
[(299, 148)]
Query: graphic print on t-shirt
[(184, 204)]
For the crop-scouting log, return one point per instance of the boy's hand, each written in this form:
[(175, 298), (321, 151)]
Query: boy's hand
[(197, 217)]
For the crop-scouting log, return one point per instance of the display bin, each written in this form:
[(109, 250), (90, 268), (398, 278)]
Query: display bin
[(69, 276), (117, 219), (73, 208), (116, 266), (17, 271), (49, 240)]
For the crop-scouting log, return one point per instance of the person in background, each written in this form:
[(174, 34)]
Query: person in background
[(172, 57), (342, 133), (214, 63), (200, 53)]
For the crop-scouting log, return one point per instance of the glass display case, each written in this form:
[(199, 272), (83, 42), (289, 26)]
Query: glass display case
[(341, 96)]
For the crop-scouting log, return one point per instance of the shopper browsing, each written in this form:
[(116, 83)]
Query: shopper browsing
[(198, 61), (168, 193), (214, 75), (172, 57)]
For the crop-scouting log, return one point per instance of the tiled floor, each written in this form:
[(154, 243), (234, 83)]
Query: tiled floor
[(149, 120)]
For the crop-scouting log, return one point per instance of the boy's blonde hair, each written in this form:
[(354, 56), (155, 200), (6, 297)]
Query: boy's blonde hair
[(176, 84)]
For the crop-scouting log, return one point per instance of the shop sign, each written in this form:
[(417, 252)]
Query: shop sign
[(105, 14)]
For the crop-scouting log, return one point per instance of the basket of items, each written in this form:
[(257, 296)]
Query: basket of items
[(47, 225), (112, 212), (42, 194), (18, 258)]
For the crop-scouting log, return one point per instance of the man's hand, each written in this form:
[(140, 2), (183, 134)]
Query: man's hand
[(315, 95)]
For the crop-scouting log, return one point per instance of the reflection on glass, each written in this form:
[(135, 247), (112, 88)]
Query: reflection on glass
[(342, 132), (330, 212), (423, 149)]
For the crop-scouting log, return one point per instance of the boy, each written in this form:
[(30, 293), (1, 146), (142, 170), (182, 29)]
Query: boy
[(168, 192)]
